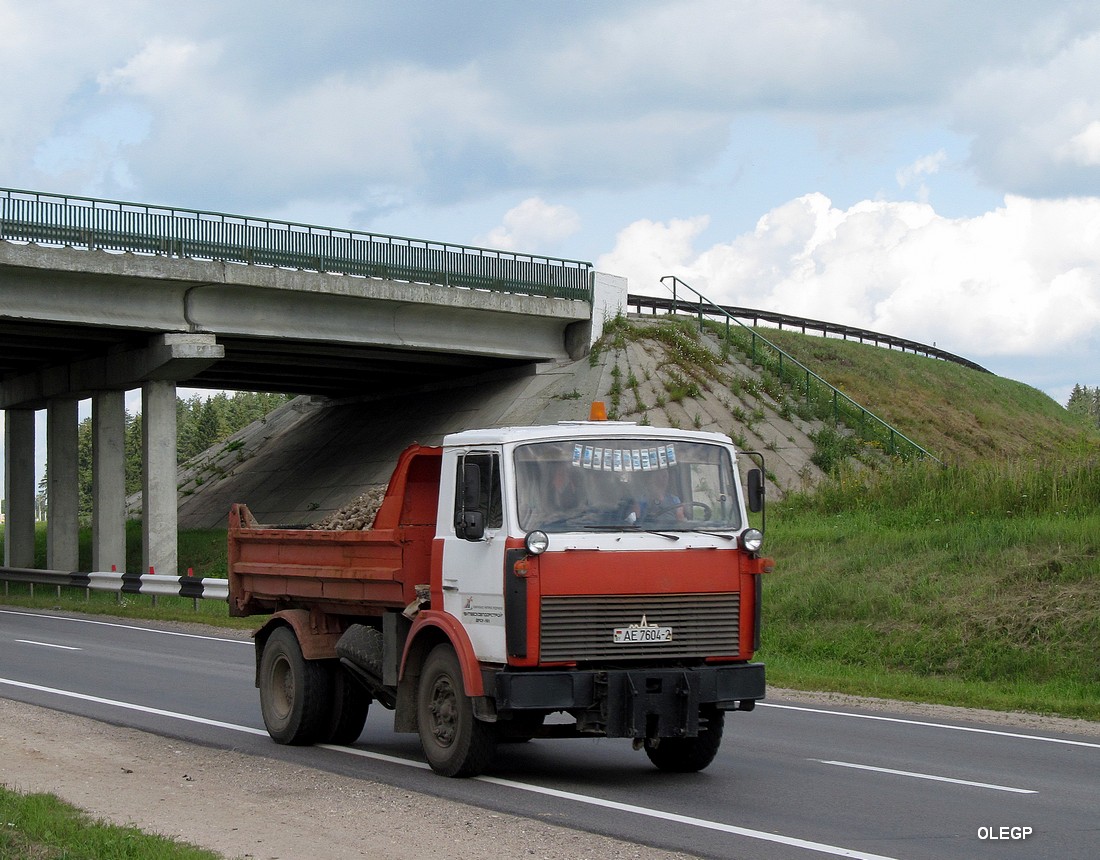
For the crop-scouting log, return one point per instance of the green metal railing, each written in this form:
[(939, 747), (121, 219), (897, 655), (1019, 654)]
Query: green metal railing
[(84, 222), (816, 391)]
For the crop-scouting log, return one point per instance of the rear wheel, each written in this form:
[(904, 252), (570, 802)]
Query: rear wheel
[(454, 741), (348, 711), (688, 755), (295, 693)]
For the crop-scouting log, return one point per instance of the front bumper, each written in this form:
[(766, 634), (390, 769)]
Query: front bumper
[(634, 703)]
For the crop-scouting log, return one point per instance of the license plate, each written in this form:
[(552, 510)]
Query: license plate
[(643, 634)]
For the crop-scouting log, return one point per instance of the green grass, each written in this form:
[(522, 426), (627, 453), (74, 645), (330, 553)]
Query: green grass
[(200, 549), (975, 586), (43, 827)]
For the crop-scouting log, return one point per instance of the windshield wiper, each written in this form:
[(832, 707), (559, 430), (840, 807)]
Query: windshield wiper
[(713, 534)]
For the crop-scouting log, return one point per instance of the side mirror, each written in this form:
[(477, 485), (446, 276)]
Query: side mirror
[(756, 491), (471, 520), (472, 526)]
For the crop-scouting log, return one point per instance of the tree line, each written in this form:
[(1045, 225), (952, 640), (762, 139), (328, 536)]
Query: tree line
[(1085, 401), (200, 423)]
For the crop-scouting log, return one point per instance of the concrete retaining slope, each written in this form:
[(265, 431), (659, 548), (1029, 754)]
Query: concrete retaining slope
[(310, 458)]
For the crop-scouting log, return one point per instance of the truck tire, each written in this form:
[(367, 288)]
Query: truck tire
[(349, 707), (295, 693), (688, 755), (454, 741)]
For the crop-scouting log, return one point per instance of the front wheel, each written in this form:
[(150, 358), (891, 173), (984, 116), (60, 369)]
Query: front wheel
[(454, 741), (295, 693), (688, 755)]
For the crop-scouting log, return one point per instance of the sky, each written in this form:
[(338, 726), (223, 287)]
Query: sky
[(927, 170)]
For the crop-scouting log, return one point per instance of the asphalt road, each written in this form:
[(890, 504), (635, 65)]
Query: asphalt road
[(791, 781)]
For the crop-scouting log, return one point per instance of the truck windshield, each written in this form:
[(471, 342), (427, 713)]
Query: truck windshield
[(626, 484)]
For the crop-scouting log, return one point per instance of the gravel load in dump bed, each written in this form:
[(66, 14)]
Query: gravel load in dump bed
[(358, 514)]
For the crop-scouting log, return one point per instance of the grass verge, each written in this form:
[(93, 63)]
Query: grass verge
[(43, 826)]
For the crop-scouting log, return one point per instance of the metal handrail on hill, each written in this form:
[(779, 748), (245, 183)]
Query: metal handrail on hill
[(111, 225), (805, 324), (789, 369)]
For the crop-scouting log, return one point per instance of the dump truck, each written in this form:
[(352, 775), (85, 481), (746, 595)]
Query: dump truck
[(587, 579)]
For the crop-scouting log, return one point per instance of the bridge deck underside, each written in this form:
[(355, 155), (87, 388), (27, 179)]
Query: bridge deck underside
[(285, 366)]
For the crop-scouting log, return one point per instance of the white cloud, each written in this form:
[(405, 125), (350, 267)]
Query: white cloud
[(1031, 119), (267, 105), (925, 166), (647, 250), (1084, 147), (159, 69), (534, 223), (1021, 280)]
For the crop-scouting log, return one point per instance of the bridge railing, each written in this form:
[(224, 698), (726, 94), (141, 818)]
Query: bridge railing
[(841, 408), (84, 222)]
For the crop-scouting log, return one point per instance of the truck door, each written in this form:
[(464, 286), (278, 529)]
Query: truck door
[(473, 554)]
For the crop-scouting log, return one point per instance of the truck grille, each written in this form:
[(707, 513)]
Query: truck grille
[(581, 627)]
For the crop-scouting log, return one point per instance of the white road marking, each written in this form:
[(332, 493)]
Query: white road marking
[(126, 626), (84, 697), (926, 776), (1000, 732), (819, 847), (49, 645), (763, 835), (649, 812)]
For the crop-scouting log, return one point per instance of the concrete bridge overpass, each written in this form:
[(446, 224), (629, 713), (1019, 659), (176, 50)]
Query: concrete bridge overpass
[(98, 298)]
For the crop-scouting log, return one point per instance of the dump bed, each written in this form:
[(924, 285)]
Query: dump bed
[(342, 572)]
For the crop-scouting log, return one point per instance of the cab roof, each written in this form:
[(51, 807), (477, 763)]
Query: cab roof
[(577, 430)]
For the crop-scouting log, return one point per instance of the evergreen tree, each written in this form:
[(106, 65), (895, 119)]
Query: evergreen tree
[(199, 425), (1085, 401)]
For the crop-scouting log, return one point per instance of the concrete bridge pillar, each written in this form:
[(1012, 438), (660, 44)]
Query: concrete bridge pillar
[(158, 497), (19, 487), (62, 516), (109, 480)]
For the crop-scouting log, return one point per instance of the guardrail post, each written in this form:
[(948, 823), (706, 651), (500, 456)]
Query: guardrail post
[(194, 600)]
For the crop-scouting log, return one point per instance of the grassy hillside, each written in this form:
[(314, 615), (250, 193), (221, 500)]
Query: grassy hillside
[(973, 584), (958, 414)]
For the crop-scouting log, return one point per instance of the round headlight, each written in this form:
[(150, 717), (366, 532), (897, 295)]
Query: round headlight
[(536, 542), (752, 540)]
